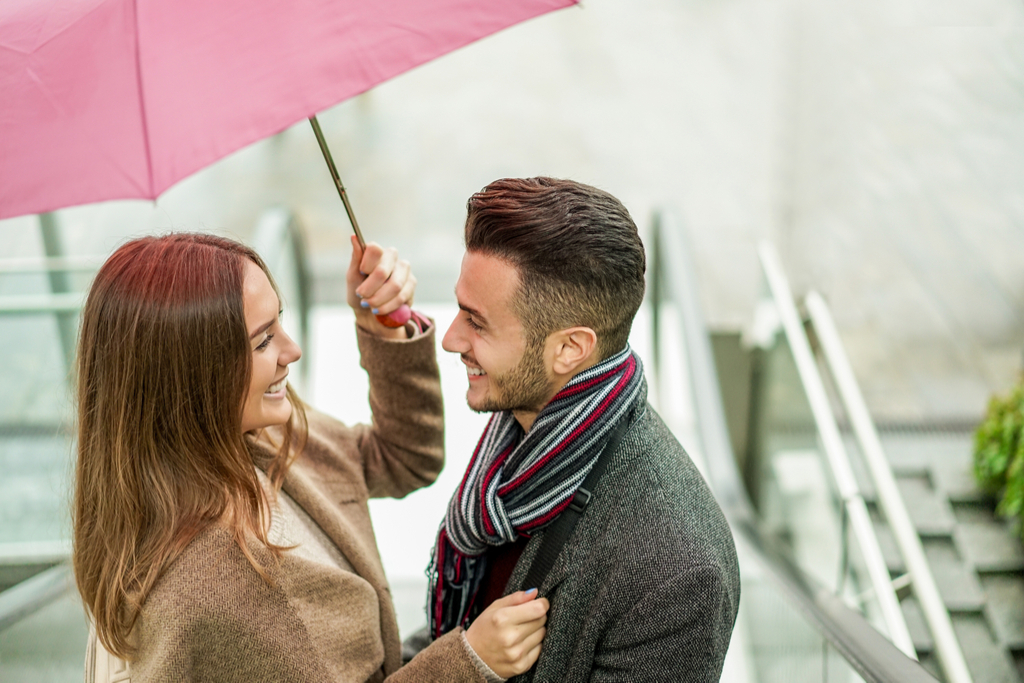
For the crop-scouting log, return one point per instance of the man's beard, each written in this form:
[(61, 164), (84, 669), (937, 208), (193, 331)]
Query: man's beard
[(524, 387)]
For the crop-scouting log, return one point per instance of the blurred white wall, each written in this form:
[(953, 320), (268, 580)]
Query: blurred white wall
[(878, 143)]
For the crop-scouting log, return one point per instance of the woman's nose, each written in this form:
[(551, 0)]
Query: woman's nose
[(291, 351)]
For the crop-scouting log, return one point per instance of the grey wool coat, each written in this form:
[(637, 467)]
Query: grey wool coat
[(647, 587)]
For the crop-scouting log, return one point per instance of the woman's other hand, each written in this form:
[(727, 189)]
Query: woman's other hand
[(507, 635), (388, 283)]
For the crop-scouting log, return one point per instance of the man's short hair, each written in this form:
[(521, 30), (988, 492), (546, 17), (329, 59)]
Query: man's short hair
[(576, 249)]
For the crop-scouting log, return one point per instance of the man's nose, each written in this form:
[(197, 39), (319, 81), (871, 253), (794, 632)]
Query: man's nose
[(452, 340)]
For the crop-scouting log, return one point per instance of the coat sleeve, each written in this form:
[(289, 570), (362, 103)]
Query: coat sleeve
[(677, 633), (443, 661), (403, 449)]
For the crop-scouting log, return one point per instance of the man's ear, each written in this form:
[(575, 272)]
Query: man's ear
[(575, 350)]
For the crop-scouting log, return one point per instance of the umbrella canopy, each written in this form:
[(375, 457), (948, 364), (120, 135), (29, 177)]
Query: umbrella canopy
[(117, 99)]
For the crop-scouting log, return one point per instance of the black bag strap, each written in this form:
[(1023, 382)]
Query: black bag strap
[(558, 533)]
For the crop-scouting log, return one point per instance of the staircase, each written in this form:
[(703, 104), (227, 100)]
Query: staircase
[(976, 558)]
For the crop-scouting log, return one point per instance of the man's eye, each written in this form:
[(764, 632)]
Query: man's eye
[(472, 323)]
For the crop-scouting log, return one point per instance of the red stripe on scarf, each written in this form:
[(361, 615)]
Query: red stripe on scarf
[(540, 521), (577, 388), (488, 527), (442, 539), (476, 452)]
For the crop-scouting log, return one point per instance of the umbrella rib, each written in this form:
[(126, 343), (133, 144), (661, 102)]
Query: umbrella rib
[(142, 101)]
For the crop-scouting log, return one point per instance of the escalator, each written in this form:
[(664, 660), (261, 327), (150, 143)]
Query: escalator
[(809, 463)]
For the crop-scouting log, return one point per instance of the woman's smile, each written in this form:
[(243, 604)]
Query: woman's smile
[(277, 390)]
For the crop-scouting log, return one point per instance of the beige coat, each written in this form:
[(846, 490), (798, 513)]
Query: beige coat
[(212, 618)]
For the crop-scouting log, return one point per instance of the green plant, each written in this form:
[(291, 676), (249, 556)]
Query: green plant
[(999, 453)]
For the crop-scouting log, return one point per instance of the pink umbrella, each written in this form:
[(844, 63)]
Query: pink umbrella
[(118, 99)]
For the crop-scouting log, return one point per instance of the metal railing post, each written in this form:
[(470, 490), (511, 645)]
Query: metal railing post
[(60, 283), (835, 451), (937, 617)]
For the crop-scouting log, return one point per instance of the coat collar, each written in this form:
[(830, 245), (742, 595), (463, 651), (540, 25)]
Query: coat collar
[(365, 560)]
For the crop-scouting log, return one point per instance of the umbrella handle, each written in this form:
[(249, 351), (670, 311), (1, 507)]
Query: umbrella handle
[(395, 318)]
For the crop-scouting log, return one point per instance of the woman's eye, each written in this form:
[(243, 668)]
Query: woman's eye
[(265, 343)]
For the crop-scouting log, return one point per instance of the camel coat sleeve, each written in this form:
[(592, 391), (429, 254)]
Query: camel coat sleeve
[(403, 449)]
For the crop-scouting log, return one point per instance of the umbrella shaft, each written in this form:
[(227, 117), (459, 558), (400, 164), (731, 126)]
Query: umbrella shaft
[(337, 179)]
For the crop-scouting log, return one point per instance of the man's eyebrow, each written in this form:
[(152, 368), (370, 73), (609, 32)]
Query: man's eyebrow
[(473, 312)]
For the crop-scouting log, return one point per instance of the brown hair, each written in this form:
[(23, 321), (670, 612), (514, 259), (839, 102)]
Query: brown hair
[(164, 364), (576, 249)]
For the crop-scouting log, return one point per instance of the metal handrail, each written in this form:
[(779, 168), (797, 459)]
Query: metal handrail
[(34, 593), (45, 264), (947, 647), (874, 657), (31, 304), (277, 235), (835, 451)]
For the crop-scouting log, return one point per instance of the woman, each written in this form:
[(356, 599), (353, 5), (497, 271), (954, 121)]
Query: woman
[(221, 531)]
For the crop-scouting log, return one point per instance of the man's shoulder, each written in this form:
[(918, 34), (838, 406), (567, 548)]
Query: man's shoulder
[(650, 455), (654, 492)]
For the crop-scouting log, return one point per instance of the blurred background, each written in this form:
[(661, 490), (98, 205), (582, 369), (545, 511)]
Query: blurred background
[(879, 145)]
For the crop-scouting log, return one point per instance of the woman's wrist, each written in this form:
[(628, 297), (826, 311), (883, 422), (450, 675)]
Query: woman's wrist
[(481, 666), (368, 323)]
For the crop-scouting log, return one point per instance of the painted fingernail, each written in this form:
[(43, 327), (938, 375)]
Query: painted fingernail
[(364, 304), (532, 590), (376, 311)]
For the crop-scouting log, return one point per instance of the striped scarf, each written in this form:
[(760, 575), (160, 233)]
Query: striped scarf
[(518, 483)]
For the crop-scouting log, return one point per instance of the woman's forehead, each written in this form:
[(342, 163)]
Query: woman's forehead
[(259, 300)]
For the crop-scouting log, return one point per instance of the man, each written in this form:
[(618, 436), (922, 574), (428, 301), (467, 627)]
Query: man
[(647, 586)]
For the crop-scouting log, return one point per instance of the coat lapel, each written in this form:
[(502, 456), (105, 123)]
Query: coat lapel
[(582, 535), (365, 560)]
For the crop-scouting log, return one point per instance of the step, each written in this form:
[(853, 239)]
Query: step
[(987, 661), (1004, 607), (958, 584), (929, 510), (990, 546)]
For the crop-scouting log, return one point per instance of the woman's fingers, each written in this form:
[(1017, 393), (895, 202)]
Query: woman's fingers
[(395, 291), (378, 279), (378, 264), (531, 648), (533, 637), (508, 633), (530, 659)]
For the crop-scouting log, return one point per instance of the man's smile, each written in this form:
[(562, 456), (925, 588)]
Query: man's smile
[(473, 369)]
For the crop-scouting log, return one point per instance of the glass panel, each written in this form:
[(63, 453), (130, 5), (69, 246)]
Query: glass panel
[(783, 646), (36, 458), (35, 438)]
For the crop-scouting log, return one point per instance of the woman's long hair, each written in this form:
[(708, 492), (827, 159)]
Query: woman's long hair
[(163, 369)]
